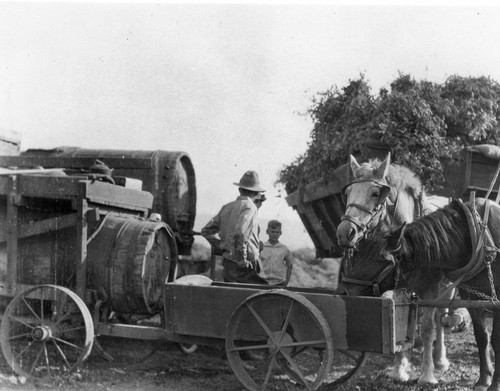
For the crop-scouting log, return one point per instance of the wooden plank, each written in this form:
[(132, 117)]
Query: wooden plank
[(317, 226), (388, 327), (34, 228), (111, 195), (54, 187), (47, 225)]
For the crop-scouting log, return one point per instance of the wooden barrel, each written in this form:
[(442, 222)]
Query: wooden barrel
[(129, 260)]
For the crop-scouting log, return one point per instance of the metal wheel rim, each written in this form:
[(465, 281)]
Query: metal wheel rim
[(292, 369), (344, 380)]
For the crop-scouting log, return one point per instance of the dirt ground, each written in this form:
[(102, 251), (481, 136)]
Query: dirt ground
[(207, 370)]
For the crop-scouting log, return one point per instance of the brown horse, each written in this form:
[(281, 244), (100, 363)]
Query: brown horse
[(439, 245), (385, 193)]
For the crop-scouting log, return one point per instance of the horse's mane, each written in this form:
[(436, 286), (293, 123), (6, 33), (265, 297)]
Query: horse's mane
[(442, 236), (399, 177)]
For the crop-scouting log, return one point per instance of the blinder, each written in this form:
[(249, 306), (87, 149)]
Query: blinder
[(385, 190)]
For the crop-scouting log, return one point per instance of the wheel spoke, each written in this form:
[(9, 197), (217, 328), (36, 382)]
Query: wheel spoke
[(18, 320), (30, 344), (61, 353), (14, 337), (261, 322), (41, 307), (35, 361), (249, 347), (68, 343), (79, 328), (295, 368), (287, 320), (62, 319), (47, 363), (270, 370), (31, 310)]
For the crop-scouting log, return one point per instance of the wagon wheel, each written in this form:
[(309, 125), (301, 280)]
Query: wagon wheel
[(279, 335), (46, 331), (346, 365)]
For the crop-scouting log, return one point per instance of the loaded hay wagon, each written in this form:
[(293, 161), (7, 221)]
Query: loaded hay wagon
[(82, 259), (321, 205)]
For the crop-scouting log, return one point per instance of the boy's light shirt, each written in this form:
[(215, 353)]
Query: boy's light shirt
[(275, 261)]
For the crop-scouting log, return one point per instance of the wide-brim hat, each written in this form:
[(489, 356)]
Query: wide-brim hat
[(249, 181)]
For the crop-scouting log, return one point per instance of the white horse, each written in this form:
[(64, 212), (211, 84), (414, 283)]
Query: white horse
[(379, 191)]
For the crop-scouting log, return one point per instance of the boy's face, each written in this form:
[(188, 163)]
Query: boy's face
[(274, 234)]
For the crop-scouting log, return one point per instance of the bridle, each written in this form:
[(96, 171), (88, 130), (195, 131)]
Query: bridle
[(377, 209), (393, 263)]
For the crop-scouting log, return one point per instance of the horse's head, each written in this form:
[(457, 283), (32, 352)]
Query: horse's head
[(375, 268), (364, 197)]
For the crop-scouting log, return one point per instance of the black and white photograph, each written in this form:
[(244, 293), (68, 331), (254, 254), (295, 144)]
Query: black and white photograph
[(225, 196)]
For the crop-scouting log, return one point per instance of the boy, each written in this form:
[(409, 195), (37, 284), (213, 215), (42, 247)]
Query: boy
[(277, 261)]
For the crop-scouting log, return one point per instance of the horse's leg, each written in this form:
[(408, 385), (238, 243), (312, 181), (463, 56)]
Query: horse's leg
[(482, 336), (401, 367), (441, 362), (428, 337), (495, 343)]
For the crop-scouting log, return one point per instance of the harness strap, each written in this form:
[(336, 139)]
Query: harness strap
[(355, 221), (374, 283), (483, 241), (360, 207)]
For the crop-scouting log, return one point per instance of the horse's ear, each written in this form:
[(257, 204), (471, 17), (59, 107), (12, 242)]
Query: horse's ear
[(353, 167), (383, 170), (395, 238)]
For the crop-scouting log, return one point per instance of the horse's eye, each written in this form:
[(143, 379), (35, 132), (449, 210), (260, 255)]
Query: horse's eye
[(375, 194)]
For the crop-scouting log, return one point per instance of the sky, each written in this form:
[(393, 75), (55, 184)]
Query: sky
[(226, 83)]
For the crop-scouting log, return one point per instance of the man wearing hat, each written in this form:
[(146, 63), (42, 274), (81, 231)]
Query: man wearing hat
[(234, 231)]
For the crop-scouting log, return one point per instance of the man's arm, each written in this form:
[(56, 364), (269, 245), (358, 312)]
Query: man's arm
[(288, 274), (211, 232), (289, 261), (242, 232)]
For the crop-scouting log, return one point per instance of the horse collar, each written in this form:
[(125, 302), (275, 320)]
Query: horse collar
[(482, 244)]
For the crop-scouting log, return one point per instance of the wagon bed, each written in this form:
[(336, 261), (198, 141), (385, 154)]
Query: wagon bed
[(285, 323)]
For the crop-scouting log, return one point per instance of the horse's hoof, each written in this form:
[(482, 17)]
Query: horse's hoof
[(400, 376), (442, 365), (427, 380)]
